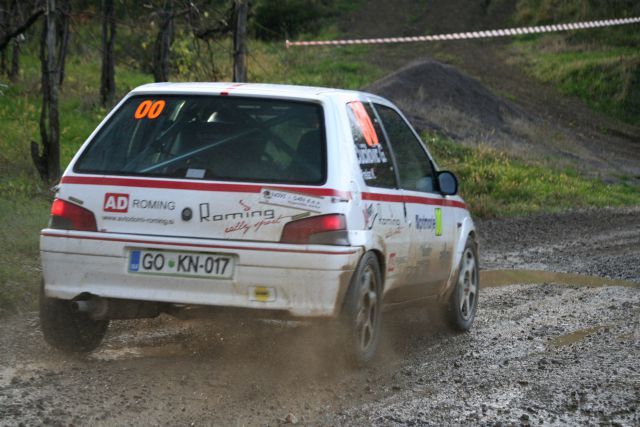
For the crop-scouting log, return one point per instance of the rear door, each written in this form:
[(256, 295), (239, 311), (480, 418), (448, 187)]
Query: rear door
[(382, 207), (204, 166), (432, 224)]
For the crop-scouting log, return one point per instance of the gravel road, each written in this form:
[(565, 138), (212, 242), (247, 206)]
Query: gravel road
[(544, 353)]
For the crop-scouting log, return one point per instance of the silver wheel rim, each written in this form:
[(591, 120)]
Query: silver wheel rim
[(467, 285), (368, 309)]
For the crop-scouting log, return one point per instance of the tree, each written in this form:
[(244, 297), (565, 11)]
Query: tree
[(63, 12), (48, 162), (11, 32), (14, 71), (107, 79), (241, 8), (162, 45)]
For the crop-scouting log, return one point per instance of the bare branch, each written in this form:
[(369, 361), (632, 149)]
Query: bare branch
[(6, 38)]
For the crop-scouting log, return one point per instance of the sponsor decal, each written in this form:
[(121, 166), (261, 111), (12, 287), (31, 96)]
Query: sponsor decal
[(430, 223), (153, 204), (149, 109), (365, 123), (138, 219), (246, 218), (244, 212), (370, 155), (373, 215), (116, 202), (120, 203), (425, 223), (245, 227), (269, 196), (368, 174), (369, 216)]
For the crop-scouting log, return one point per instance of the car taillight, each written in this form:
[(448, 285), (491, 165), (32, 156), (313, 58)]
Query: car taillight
[(67, 216), (323, 229)]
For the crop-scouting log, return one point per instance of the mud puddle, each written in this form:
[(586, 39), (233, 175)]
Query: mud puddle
[(575, 336), (495, 278)]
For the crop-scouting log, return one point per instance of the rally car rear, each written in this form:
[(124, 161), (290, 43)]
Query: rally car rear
[(192, 195)]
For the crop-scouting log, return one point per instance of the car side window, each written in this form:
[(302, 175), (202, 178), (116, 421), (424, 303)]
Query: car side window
[(414, 166), (372, 151)]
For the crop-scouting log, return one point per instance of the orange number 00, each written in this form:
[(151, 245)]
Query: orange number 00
[(149, 109)]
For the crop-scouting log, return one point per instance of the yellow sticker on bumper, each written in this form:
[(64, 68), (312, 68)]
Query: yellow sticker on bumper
[(262, 294)]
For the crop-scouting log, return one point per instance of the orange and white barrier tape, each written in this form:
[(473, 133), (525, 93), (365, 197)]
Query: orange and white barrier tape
[(473, 34)]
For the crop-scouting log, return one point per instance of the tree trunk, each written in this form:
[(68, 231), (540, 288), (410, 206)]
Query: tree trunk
[(4, 25), (63, 13), (163, 45), (107, 80), (15, 60), (48, 163), (241, 8)]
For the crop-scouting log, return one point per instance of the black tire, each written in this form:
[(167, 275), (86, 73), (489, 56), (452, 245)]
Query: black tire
[(362, 313), (67, 330), (463, 303)]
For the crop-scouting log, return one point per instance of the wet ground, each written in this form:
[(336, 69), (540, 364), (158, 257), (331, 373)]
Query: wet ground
[(547, 348)]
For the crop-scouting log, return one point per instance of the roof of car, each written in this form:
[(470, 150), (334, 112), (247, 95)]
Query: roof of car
[(256, 89)]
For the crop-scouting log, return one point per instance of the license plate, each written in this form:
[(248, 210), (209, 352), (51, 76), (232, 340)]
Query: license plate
[(190, 264)]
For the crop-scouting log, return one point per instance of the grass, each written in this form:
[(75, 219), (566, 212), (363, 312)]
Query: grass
[(496, 185), (600, 66), (606, 78)]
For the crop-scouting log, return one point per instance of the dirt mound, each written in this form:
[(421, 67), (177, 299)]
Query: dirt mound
[(441, 98)]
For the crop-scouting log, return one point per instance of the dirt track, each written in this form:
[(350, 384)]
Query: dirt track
[(556, 353)]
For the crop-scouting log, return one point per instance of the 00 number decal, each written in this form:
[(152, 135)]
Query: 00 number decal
[(149, 109)]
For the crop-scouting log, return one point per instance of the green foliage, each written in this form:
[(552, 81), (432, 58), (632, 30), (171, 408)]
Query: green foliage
[(282, 19), (494, 184), (602, 67), (608, 80)]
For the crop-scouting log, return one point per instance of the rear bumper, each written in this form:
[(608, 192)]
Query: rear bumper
[(305, 281)]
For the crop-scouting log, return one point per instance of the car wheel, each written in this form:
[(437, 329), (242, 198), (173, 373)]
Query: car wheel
[(68, 330), (464, 298), (363, 310)]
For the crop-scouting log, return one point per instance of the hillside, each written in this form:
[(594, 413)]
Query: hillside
[(515, 110)]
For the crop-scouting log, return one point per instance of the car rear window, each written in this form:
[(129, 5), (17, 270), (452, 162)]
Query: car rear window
[(211, 137)]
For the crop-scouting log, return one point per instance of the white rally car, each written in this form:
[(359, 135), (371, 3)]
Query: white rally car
[(286, 201)]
